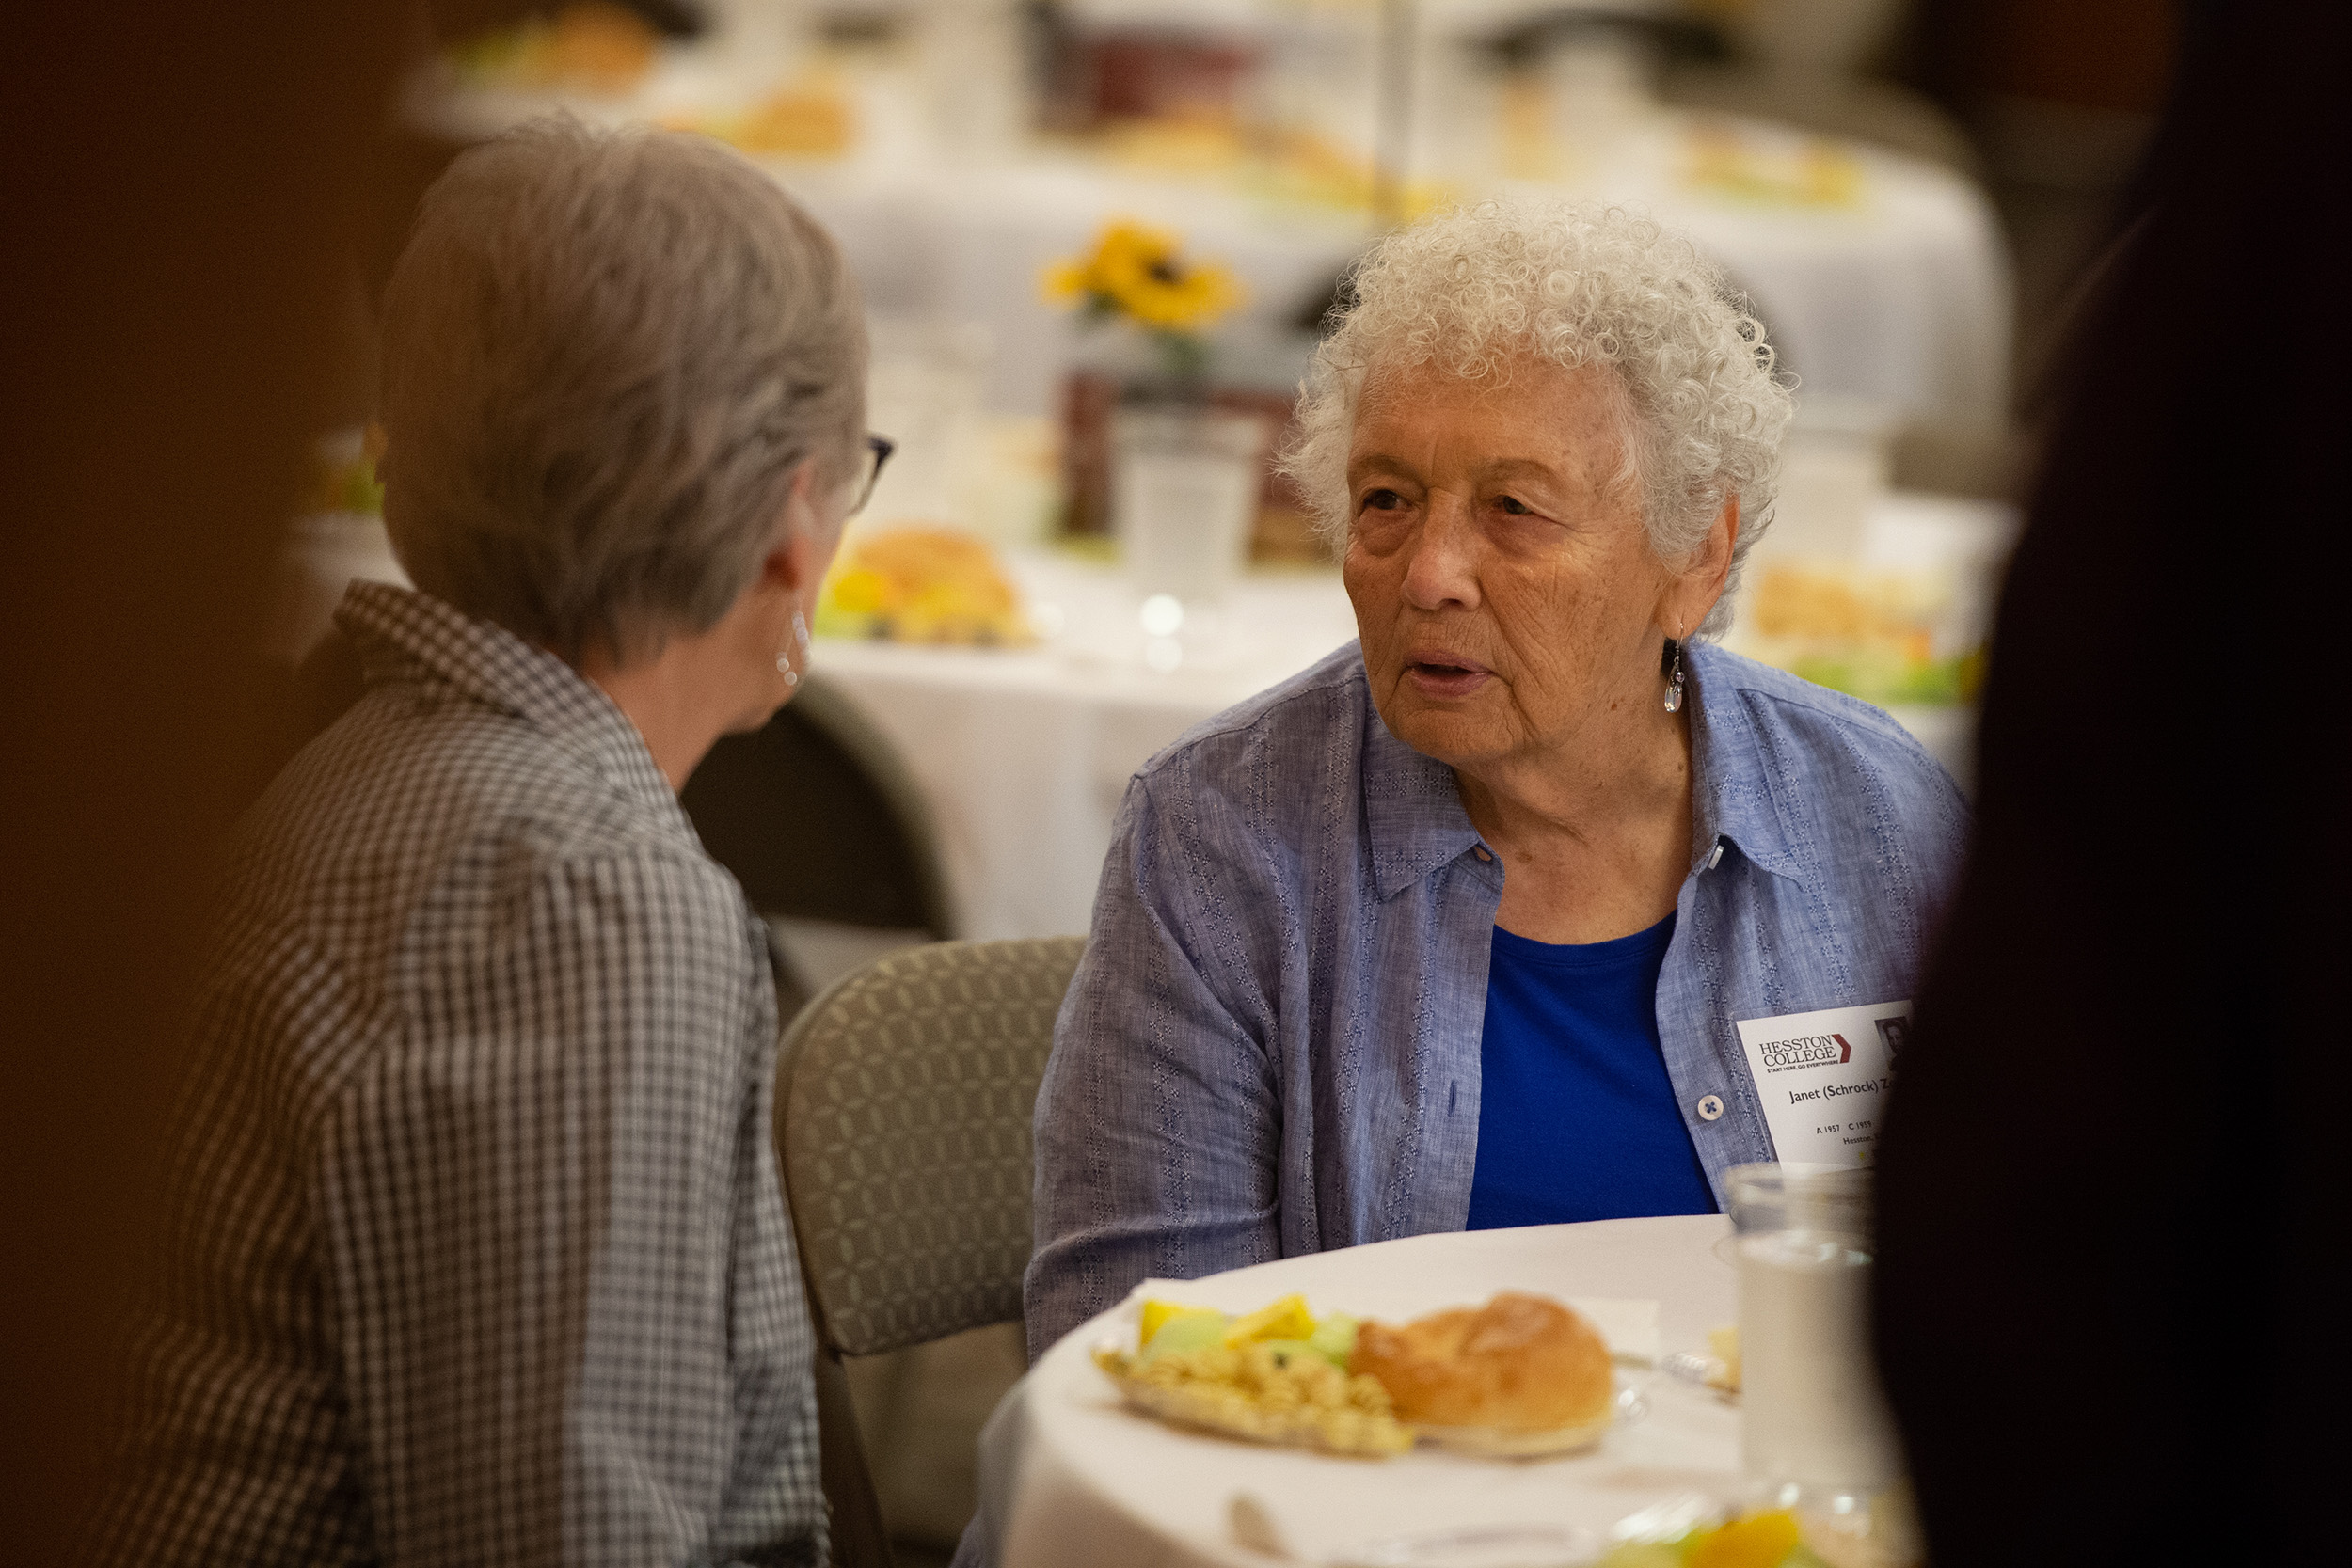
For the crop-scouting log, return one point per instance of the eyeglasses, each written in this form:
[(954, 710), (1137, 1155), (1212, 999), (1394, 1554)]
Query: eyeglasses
[(878, 451)]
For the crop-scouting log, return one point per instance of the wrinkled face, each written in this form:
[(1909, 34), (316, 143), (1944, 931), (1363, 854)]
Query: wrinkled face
[(1503, 583)]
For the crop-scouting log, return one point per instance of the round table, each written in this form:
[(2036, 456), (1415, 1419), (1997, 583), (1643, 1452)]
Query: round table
[(1071, 1477)]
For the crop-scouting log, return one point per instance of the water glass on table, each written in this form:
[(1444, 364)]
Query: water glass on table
[(1813, 1414)]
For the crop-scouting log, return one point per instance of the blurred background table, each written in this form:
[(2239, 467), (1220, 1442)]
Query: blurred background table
[(1023, 754), (1070, 1477), (1880, 277)]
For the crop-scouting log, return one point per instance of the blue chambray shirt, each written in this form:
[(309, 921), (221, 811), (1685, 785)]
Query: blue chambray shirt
[(1272, 1044)]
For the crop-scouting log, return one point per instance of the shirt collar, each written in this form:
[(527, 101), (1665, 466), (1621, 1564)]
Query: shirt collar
[(1417, 822), (1731, 795), (404, 635)]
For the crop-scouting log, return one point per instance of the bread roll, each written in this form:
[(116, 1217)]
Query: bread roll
[(1519, 1364)]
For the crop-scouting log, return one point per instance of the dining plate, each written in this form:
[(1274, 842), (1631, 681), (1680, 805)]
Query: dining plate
[(1486, 1442), (1089, 1480)]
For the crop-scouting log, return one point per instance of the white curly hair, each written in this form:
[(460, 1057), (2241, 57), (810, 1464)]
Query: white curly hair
[(1476, 289)]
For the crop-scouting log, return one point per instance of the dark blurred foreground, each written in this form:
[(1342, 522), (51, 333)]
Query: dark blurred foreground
[(178, 227), (2111, 1182)]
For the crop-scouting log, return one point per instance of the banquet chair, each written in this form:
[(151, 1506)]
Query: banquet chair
[(830, 839), (903, 1098)]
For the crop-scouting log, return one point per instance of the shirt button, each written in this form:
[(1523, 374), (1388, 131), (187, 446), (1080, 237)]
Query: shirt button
[(1710, 1106), (1482, 853)]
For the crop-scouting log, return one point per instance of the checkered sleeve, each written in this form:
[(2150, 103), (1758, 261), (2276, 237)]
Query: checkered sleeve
[(556, 1254)]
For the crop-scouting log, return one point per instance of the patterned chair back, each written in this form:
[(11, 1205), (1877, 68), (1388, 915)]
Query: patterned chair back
[(902, 1130)]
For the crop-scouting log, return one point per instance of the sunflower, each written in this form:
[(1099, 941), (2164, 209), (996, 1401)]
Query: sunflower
[(1139, 272)]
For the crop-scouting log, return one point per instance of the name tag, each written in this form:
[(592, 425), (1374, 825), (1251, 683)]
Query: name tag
[(1821, 1077)]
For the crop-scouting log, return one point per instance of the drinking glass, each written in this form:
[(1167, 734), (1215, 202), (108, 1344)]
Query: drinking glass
[(1185, 495), (1813, 1414)]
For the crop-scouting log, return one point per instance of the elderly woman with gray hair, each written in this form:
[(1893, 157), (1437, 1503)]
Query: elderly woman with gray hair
[(480, 1255), (1457, 928)]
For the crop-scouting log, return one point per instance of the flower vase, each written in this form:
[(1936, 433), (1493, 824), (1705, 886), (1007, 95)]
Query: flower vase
[(1185, 483)]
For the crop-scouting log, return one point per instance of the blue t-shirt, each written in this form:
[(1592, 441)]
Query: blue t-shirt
[(1577, 1119)]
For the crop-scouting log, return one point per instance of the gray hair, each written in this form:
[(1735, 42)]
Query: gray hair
[(1577, 285), (606, 354)]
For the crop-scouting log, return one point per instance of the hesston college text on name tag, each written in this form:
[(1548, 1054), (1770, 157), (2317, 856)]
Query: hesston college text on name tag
[(1821, 1076)]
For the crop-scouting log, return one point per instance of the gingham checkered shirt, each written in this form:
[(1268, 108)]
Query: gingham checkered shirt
[(479, 1254)]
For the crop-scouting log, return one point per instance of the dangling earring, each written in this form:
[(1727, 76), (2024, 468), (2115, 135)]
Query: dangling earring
[(783, 660), (1674, 674)]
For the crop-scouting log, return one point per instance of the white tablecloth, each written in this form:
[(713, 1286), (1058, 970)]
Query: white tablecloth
[(1023, 755), (1070, 1477)]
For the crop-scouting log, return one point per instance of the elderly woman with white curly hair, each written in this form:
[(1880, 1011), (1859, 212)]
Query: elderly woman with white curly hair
[(480, 1255), (1456, 928)]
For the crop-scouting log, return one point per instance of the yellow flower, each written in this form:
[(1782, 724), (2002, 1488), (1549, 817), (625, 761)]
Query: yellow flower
[(1066, 281), (1136, 270)]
